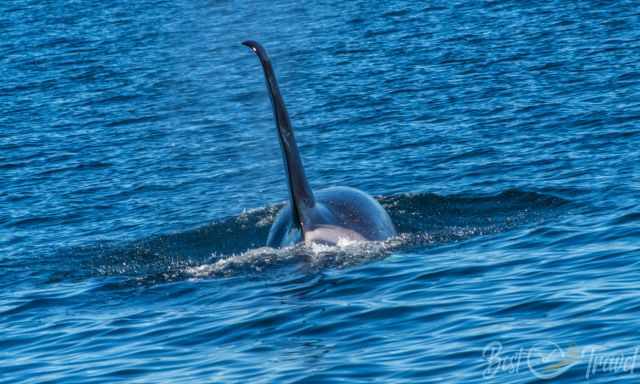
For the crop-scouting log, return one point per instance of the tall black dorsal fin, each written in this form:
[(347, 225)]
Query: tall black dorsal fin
[(300, 195)]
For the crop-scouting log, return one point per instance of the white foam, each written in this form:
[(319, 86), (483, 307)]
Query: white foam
[(316, 255)]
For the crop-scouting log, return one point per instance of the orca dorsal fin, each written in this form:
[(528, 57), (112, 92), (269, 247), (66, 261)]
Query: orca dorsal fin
[(301, 197)]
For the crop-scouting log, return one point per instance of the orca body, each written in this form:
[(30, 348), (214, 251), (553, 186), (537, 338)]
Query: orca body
[(329, 215)]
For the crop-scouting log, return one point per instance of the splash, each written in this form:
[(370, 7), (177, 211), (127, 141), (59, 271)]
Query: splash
[(306, 257)]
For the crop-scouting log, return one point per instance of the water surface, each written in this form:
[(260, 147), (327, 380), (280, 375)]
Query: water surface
[(140, 172)]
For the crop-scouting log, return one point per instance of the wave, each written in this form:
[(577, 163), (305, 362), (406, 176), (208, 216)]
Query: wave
[(235, 245)]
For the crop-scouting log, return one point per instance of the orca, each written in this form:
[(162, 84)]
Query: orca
[(326, 216)]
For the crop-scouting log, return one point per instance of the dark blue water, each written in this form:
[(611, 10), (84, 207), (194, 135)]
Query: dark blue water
[(140, 171)]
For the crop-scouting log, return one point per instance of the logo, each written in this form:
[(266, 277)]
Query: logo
[(547, 360)]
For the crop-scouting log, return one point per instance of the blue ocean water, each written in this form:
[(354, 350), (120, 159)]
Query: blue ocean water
[(140, 171)]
